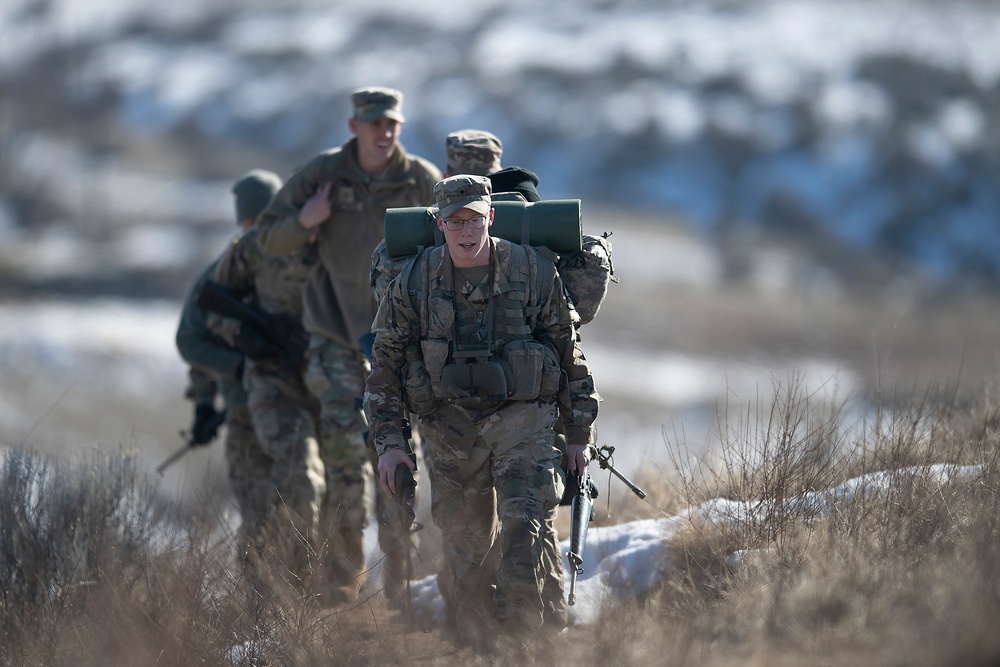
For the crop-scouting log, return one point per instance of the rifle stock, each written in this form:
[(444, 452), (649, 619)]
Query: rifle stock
[(282, 329), (218, 299)]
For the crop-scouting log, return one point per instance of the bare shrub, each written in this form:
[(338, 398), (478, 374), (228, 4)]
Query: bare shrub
[(898, 568)]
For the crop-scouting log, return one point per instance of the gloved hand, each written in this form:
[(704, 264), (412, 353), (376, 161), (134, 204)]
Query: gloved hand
[(252, 342), (206, 424)]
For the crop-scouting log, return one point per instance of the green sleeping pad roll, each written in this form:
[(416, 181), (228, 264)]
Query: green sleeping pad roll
[(555, 224)]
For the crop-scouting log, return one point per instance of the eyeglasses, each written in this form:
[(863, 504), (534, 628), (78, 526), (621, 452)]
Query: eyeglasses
[(475, 223)]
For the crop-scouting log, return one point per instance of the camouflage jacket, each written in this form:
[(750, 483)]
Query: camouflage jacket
[(204, 349), (337, 296), (409, 326)]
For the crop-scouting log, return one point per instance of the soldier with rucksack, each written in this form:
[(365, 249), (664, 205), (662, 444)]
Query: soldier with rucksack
[(477, 338)]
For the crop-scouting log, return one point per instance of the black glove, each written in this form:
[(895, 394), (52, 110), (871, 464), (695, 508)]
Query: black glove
[(252, 342), (206, 424)]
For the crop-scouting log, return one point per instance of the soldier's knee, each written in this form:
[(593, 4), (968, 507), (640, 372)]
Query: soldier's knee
[(520, 544)]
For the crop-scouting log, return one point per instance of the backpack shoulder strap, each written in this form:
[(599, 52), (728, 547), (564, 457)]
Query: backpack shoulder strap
[(414, 286), (542, 270)]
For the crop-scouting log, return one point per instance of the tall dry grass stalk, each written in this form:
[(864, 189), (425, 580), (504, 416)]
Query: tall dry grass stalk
[(97, 568)]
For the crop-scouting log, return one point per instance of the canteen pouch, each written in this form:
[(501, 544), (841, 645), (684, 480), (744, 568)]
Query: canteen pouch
[(552, 374), (525, 360), (420, 397)]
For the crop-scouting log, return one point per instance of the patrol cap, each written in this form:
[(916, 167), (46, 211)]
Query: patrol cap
[(253, 191), (473, 152), (376, 102), (464, 191)]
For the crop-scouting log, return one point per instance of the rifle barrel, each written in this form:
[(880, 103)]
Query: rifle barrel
[(172, 458), (603, 455)]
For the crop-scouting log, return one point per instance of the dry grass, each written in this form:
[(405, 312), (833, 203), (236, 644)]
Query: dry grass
[(96, 567)]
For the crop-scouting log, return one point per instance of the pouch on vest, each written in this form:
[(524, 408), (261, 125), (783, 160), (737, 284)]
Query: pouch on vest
[(468, 384), (525, 359), (417, 388), (435, 354)]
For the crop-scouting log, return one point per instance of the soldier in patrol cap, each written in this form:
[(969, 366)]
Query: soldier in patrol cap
[(475, 152), (477, 344), (216, 365), (480, 152), (341, 195), (283, 413)]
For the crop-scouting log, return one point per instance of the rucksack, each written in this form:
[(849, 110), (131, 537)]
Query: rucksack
[(583, 261), (586, 275)]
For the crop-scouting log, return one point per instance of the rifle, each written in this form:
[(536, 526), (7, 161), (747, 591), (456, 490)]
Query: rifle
[(402, 519), (583, 513), (216, 421), (283, 330)]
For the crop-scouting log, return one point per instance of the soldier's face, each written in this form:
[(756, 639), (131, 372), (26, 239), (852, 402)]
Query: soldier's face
[(376, 139), (468, 246)]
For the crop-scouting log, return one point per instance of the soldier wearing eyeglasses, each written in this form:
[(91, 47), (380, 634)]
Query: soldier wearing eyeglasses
[(480, 344)]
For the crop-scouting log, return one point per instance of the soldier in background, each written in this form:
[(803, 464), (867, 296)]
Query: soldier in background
[(476, 152), (480, 152), (492, 458), (284, 415), (342, 195), (217, 366)]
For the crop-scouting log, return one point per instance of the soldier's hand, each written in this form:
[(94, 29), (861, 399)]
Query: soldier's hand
[(577, 458), (206, 424), (316, 210), (387, 463)]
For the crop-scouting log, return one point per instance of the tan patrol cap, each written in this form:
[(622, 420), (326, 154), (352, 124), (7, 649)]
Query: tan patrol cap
[(473, 152), (465, 191), (376, 102)]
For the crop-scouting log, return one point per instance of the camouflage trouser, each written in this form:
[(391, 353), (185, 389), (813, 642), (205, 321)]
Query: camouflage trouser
[(336, 376), (284, 419), (554, 590), (249, 476), (554, 575), (501, 465)]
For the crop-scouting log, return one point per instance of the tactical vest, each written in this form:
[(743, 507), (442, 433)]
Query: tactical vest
[(507, 363)]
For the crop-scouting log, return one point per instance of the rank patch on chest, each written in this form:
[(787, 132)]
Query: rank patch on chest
[(345, 195)]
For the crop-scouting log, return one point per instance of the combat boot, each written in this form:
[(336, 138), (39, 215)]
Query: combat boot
[(345, 565)]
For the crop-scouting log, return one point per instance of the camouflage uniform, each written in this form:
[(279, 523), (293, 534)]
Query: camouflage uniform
[(283, 414), (495, 459), (339, 310), (208, 353), (479, 152)]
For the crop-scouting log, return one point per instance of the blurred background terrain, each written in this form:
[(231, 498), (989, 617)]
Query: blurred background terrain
[(797, 190)]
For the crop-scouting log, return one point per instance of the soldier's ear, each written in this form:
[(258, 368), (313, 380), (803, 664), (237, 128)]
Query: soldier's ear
[(352, 124), (440, 221)]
